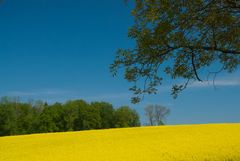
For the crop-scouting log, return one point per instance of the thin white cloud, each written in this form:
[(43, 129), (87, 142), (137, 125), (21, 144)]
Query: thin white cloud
[(58, 94), (21, 93), (37, 92), (109, 96), (66, 94), (215, 83)]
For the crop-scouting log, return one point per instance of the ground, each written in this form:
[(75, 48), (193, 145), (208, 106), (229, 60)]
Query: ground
[(179, 142)]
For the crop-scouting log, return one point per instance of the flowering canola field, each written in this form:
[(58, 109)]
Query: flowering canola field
[(211, 142)]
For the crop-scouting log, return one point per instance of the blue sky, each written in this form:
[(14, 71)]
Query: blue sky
[(59, 50)]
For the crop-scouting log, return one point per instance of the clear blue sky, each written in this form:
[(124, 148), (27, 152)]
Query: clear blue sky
[(57, 50)]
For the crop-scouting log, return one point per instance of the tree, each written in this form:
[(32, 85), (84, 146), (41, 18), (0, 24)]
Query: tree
[(106, 112), (24, 118), (18, 118), (71, 111), (8, 123), (126, 117), (45, 122), (179, 39), (50, 119), (156, 114), (15, 117), (149, 113), (89, 118), (160, 114)]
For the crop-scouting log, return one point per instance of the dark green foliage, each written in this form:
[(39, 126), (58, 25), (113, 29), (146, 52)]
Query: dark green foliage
[(179, 39), (49, 119), (15, 117), (126, 117), (24, 118), (7, 120), (89, 118), (70, 113), (38, 117), (106, 112)]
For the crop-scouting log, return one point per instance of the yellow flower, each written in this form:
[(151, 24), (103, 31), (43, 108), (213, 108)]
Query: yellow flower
[(213, 142)]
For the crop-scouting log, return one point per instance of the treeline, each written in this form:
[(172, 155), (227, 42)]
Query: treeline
[(18, 118)]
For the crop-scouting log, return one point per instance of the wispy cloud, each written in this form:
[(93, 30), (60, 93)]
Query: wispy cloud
[(164, 89), (109, 96), (215, 83), (21, 93), (47, 92), (63, 95)]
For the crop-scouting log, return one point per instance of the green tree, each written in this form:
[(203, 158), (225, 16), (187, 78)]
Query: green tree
[(15, 117), (89, 118), (51, 119), (178, 39), (71, 111), (126, 117), (46, 123), (37, 117), (8, 120), (106, 112), (24, 118)]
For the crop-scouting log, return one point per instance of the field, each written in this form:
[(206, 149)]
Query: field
[(210, 142)]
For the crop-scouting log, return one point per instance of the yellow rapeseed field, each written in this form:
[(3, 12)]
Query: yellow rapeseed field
[(211, 142)]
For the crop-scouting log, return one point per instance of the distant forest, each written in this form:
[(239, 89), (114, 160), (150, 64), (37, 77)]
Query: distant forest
[(18, 118)]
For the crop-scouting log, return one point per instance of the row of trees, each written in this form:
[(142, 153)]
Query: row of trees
[(37, 117)]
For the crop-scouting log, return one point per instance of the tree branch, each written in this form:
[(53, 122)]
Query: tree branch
[(226, 51), (194, 67)]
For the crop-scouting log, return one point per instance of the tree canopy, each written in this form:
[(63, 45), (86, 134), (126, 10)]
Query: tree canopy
[(38, 117), (178, 39)]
